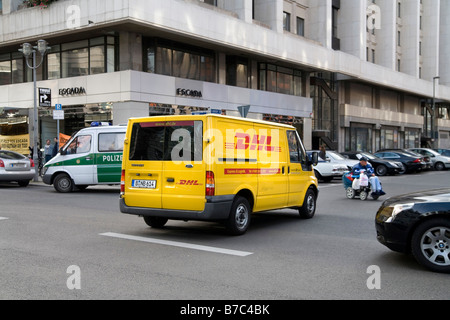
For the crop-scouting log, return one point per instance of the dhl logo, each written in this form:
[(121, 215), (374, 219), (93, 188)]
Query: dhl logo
[(244, 141), (189, 183)]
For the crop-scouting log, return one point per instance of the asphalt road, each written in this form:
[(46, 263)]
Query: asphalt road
[(43, 234)]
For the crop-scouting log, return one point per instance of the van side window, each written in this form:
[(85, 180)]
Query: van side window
[(294, 147), (81, 144), (167, 141), (111, 142)]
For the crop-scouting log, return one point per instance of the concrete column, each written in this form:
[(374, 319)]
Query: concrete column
[(353, 28), (122, 111), (411, 37), (243, 8), (320, 22), (431, 37), (270, 12), (387, 35), (445, 43)]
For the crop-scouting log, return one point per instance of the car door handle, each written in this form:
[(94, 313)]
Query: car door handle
[(170, 180)]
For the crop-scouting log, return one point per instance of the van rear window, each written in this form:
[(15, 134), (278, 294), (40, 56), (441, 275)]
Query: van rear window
[(167, 141)]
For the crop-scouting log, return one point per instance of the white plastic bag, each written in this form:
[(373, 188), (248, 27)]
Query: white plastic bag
[(356, 184), (364, 180)]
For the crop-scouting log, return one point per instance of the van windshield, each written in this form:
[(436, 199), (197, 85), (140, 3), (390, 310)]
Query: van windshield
[(167, 141)]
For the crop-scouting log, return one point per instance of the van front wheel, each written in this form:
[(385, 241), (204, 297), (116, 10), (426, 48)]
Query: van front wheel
[(239, 219), (309, 205), (63, 183)]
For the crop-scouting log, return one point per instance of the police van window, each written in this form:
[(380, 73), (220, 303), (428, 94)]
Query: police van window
[(81, 144), (111, 142), (168, 141)]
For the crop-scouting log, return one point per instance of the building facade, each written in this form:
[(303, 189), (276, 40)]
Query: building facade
[(356, 75)]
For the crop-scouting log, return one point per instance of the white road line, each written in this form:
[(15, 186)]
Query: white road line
[(2, 218), (178, 244)]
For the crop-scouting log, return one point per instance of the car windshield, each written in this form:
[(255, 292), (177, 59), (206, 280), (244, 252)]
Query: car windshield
[(336, 156), (367, 155), (9, 155)]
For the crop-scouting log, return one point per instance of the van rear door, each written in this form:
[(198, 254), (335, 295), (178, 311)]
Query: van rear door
[(145, 164), (183, 179)]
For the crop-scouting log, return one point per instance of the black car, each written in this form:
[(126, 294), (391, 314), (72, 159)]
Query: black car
[(382, 167), (444, 152), (411, 163), (418, 223)]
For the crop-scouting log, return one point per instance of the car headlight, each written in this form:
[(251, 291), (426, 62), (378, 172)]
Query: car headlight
[(388, 214)]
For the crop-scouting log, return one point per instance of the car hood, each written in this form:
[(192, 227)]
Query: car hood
[(437, 195)]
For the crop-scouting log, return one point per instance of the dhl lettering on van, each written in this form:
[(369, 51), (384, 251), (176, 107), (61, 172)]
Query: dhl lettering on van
[(258, 142), (189, 183)]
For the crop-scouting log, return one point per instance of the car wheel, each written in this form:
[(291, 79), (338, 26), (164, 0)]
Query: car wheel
[(155, 222), (309, 205), (24, 183), (439, 166), (381, 170), (63, 183), (430, 244), (240, 216)]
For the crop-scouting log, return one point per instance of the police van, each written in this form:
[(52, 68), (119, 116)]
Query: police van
[(93, 156), (214, 168)]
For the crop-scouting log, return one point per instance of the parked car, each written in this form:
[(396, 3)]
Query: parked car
[(327, 171), (418, 223), (444, 152), (336, 158), (15, 167), (439, 161), (382, 167), (411, 163)]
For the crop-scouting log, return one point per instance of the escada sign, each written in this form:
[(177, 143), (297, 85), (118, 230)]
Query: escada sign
[(72, 91), (189, 93)]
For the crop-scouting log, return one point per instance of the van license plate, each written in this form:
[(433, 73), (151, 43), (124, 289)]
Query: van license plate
[(146, 184)]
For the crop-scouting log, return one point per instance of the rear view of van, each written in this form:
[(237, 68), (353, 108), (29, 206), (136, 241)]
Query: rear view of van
[(214, 168)]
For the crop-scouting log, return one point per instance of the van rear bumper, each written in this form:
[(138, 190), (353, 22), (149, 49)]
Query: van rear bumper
[(216, 208)]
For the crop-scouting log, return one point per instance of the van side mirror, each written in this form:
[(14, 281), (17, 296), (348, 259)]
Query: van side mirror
[(63, 152), (314, 158)]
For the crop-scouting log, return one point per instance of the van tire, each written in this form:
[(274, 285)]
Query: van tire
[(155, 222), (63, 183), (240, 216), (309, 205)]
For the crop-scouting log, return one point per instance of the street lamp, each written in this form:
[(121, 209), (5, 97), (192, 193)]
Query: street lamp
[(434, 136), (29, 51)]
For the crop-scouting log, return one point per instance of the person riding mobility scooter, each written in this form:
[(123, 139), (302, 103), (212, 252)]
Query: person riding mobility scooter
[(361, 181)]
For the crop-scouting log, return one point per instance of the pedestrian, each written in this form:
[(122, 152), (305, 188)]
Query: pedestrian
[(322, 152), (55, 147), (48, 151)]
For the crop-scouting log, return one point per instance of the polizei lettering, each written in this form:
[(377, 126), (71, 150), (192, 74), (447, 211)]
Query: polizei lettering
[(189, 93), (71, 91), (112, 158)]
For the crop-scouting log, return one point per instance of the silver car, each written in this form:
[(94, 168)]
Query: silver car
[(439, 161), (15, 167)]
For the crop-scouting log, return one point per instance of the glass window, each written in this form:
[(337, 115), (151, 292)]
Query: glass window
[(5, 69), (111, 142), (79, 145), (164, 61), (169, 141), (294, 147), (300, 26), (54, 66), (17, 68), (75, 63), (97, 60)]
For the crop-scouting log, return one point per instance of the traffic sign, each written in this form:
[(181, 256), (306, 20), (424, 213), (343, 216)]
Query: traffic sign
[(243, 110), (58, 114), (58, 107), (45, 97)]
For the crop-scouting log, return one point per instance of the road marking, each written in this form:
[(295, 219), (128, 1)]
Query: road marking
[(2, 218), (178, 244)]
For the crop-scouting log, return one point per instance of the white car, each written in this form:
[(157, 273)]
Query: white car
[(15, 167), (439, 161), (326, 171), (336, 158)]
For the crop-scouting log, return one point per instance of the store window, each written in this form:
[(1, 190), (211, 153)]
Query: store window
[(280, 79), (237, 72), (178, 60)]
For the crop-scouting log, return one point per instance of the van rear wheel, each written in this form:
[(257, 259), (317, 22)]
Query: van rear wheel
[(239, 219), (155, 222)]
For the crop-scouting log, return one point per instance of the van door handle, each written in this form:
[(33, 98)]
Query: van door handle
[(282, 170), (170, 180), (88, 158), (189, 166)]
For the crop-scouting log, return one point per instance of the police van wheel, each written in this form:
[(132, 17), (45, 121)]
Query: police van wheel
[(63, 183), (239, 219), (309, 205), (155, 222)]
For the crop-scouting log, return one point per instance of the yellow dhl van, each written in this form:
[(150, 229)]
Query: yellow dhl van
[(214, 168)]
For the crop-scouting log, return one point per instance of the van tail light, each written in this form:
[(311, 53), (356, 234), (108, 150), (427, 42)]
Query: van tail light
[(210, 184), (31, 163), (2, 164), (122, 182)]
